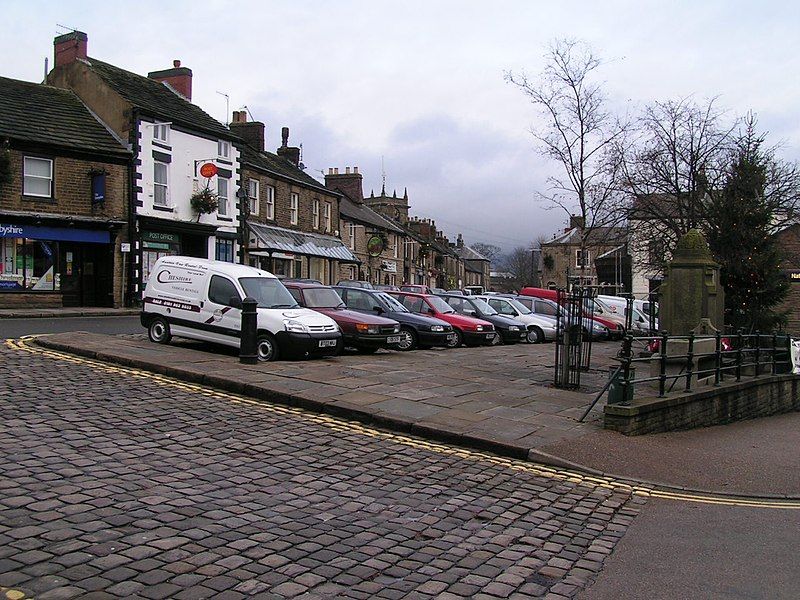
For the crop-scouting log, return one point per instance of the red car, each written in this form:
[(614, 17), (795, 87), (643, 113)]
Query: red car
[(615, 329), (416, 289), (468, 330), (364, 332)]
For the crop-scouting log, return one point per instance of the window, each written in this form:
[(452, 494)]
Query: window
[(38, 177), (222, 196), (359, 300), (293, 209), (327, 217), (252, 195), (315, 214), (224, 250), (160, 183), (223, 149), (396, 249), (582, 258), (221, 290), (270, 202), (352, 228), (161, 132), (412, 303)]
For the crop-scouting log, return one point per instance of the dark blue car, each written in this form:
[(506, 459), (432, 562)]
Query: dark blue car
[(416, 331)]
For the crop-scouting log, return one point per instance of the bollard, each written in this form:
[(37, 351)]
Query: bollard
[(627, 358), (690, 363), (248, 342)]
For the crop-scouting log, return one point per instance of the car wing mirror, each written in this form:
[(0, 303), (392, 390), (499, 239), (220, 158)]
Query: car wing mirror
[(377, 309), (235, 302)]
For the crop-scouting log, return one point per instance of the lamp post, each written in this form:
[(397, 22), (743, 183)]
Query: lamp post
[(244, 215)]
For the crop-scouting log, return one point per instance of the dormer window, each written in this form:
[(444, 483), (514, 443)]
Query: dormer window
[(161, 132), (223, 149)]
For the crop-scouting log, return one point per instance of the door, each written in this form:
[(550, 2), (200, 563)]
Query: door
[(219, 319)]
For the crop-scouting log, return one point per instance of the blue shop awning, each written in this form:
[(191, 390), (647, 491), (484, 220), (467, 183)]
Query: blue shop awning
[(265, 239)]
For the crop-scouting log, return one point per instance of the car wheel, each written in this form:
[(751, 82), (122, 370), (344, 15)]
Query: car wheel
[(497, 340), (535, 336), (158, 331), (267, 348), (408, 339), (458, 339)]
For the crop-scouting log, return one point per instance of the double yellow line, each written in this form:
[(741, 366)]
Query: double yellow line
[(627, 486)]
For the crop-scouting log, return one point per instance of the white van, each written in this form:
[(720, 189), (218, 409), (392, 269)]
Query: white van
[(641, 320), (202, 299)]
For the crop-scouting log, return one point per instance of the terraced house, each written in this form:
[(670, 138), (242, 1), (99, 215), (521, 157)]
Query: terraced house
[(63, 201), (292, 222), (178, 150)]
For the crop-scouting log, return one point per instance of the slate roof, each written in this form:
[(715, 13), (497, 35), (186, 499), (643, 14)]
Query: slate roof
[(467, 253), (597, 236), (32, 112), (364, 214), (158, 100), (280, 167)]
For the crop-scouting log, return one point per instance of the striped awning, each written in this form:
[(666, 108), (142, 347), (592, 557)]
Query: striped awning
[(265, 239)]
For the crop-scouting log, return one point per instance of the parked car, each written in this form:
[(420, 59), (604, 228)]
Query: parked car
[(365, 333), (416, 331), (510, 331), (540, 328), (417, 289), (639, 320), (469, 330), (615, 328), (355, 283), (473, 290), (549, 308), (299, 280), (202, 299), (387, 288)]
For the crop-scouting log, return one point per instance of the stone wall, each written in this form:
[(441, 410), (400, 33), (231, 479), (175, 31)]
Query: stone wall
[(748, 399)]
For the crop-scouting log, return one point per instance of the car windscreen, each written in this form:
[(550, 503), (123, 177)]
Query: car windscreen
[(482, 306), (440, 305), (268, 292), (523, 310), (322, 298), (392, 303)]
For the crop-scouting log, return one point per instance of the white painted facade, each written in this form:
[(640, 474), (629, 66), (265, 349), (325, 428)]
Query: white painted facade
[(178, 160)]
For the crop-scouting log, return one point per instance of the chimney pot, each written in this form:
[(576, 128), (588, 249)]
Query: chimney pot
[(347, 170), (336, 170), (176, 63), (330, 171), (284, 136), (355, 169)]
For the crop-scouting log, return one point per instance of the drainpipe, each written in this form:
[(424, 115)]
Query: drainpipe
[(133, 137)]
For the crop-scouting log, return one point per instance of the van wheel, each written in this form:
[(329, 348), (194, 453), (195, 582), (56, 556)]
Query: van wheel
[(458, 339), (535, 336), (158, 331), (408, 339), (267, 348)]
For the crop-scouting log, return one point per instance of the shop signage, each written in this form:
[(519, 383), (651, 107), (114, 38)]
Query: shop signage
[(375, 245), (98, 188), (64, 234), (208, 170), (157, 236), (793, 275), (389, 266), (124, 247), (283, 255)]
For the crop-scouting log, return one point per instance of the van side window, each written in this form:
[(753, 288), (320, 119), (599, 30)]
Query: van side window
[(220, 290)]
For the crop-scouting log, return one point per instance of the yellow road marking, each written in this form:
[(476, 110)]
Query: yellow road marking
[(628, 486)]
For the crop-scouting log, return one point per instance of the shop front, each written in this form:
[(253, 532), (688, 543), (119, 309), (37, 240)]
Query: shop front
[(61, 263)]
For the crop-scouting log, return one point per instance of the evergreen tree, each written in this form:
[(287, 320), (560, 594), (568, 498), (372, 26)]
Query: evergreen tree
[(739, 232)]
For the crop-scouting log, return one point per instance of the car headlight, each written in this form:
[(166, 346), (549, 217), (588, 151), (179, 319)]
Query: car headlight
[(295, 326), (479, 328), (513, 328), (397, 328), (437, 328), (364, 328)]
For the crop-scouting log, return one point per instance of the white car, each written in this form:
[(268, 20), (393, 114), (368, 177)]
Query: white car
[(540, 328), (202, 300), (641, 319)]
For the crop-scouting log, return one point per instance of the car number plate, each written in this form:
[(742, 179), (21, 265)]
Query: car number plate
[(395, 339), (327, 343), (489, 336)]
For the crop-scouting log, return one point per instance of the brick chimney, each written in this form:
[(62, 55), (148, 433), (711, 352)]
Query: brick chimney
[(252, 132), (459, 241), (576, 221), (290, 153), (349, 183), (179, 78), (69, 47)]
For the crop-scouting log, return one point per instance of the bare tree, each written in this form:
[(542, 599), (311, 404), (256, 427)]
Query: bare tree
[(519, 262), (490, 251), (577, 132)]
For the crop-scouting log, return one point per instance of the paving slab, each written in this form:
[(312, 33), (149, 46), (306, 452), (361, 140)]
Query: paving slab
[(498, 398)]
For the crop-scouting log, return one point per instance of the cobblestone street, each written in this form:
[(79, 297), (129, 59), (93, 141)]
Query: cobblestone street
[(116, 485)]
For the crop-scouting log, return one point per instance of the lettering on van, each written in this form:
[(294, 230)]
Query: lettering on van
[(165, 276), (173, 304)]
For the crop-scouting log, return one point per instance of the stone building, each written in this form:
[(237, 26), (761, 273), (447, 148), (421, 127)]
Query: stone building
[(178, 151), (292, 220), (63, 201), (476, 266), (377, 241)]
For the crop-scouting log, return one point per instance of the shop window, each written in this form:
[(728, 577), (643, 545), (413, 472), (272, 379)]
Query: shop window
[(222, 196), (252, 195), (270, 202), (327, 217), (224, 251), (294, 208), (37, 177), (160, 183), (161, 132), (315, 214), (29, 264)]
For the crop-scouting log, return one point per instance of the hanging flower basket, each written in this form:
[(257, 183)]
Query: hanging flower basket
[(204, 202)]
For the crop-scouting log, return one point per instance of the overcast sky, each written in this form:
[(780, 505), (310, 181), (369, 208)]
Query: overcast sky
[(420, 83)]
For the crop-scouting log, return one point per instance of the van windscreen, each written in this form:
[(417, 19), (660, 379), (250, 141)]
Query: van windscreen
[(268, 292)]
